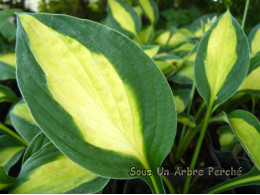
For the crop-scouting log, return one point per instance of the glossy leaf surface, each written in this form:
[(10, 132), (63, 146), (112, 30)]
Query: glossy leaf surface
[(99, 111)]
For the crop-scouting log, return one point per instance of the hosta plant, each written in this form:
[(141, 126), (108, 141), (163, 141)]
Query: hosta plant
[(102, 101)]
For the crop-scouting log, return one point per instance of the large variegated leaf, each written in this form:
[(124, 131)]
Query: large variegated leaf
[(48, 171), (23, 122), (251, 83), (254, 40), (247, 129), (150, 9), (7, 94), (95, 94), (124, 18), (222, 60), (7, 66)]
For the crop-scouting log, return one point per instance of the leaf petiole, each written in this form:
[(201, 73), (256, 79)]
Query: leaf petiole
[(4, 129), (198, 146)]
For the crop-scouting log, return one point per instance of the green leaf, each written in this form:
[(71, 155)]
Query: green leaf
[(23, 122), (251, 83), (146, 35), (203, 24), (76, 183), (169, 63), (186, 119), (151, 50), (7, 66), (251, 178), (8, 30), (181, 99), (186, 47), (10, 152), (254, 40), (8, 58), (5, 180), (48, 171), (172, 37), (150, 9), (95, 94), (246, 127), (163, 38), (37, 143), (7, 95), (5, 14), (124, 18), (138, 10), (227, 139), (185, 74), (222, 60), (6, 71)]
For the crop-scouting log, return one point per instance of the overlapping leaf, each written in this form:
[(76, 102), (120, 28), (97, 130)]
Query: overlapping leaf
[(98, 111)]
